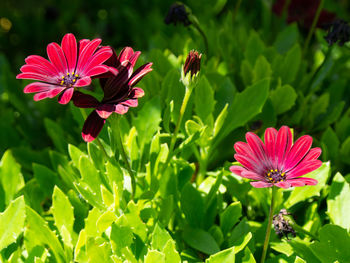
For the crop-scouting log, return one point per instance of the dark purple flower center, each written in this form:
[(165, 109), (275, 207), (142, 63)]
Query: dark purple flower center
[(69, 80), (275, 176)]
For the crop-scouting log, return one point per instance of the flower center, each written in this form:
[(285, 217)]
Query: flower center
[(275, 176), (69, 80)]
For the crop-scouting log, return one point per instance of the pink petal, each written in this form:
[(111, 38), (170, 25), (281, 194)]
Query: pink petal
[(92, 127), (283, 184), (38, 60), (98, 58), (47, 94), (298, 151), (97, 70), (249, 163), (130, 103), (85, 55), (270, 146), (82, 44), (283, 144), (134, 58), (66, 96), (82, 100), (105, 110), (237, 169), (303, 168), (56, 56), (313, 154), (35, 76), (260, 184), (38, 87), (69, 46), (258, 148), (125, 54), (302, 181), (39, 70), (252, 175), (121, 109), (137, 93), (139, 74), (85, 81)]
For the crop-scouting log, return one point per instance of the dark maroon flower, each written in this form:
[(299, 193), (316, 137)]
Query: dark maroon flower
[(303, 12), (278, 162), (119, 91), (71, 66), (192, 63), (177, 13), (339, 31)]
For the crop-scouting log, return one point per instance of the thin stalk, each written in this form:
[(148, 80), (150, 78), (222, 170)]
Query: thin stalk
[(102, 148), (269, 223), (299, 229), (201, 32), (235, 11), (178, 124), (125, 159), (313, 26)]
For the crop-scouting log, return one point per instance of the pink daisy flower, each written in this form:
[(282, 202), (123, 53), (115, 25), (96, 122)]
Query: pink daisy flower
[(70, 66), (278, 161), (119, 91)]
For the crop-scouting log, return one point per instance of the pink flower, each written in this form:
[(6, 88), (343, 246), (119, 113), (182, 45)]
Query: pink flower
[(278, 162), (119, 91), (71, 66)]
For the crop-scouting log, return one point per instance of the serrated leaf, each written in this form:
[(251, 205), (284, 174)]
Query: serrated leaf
[(171, 255), (12, 222), (159, 238), (224, 256), (262, 69), (154, 256)]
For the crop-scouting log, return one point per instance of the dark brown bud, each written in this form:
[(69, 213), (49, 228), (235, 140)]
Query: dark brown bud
[(338, 31), (193, 63), (281, 225), (177, 13)]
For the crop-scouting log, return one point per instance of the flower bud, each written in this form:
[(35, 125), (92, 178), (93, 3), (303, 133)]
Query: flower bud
[(339, 31), (191, 67), (178, 12)]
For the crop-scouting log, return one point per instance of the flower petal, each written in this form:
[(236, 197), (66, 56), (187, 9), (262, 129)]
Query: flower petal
[(136, 93), (82, 100), (313, 154), (69, 47), (130, 103), (270, 146), (125, 54), (303, 168), (252, 175), (139, 74), (298, 151), (48, 94), (258, 149), (97, 70), (302, 181), (92, 127), (66, 96), (85, 81), (38, 60), (105, 110), (283, 144), (283, 184), (56, 56), (237, 170), (260, 184), (97, 59), (85, 55), (35, 76), (121, 109), (38, 87), (249, 163)]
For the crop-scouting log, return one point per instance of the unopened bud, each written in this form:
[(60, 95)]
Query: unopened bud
[(339, 31), (178, 12), (193, 63)]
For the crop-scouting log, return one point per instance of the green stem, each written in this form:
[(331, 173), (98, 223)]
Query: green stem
[(269, 223), (235, 11), (299, 229), (178, 124), (102, 148), (125, 158), (313, 26), (201, 32)]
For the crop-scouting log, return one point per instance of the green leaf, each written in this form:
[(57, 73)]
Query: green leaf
[(338, 202), (171, 255), (147, 121), (254, 48), (11, 177), (248, 256), (283, 98), (121, 236), (192, 205), (287, 38), (262, 69), (160, 237), (204, 99), (154, 256), (75, 153), (333, 245), (200, 240), (291, 64), (219, 122), (56, 134), (302, 193), (224, 256), (246, 72), (230, 216), (331, 141), (37, 233), (12, 222), (62, 211), (244, 107), (46, 178), (105, 221)]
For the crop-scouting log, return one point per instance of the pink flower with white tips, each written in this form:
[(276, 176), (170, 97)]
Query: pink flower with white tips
[(70, 66), (278, 161)]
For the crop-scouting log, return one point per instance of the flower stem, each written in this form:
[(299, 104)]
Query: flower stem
[(178, 124), (125, 158), (102, 148), (313, 26), (269, 223), (201, 32), (299, 229)]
